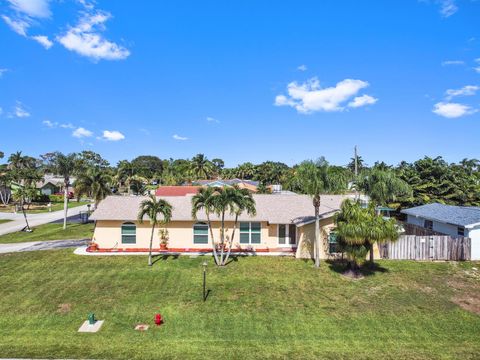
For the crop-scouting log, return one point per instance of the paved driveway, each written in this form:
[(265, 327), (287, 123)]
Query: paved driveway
[(42, 245), (18, 222)]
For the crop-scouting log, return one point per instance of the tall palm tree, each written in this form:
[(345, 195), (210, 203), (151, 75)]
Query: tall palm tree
[(382, 186), (358, 228), (65, 166), (16, 160), (203, 200), (201, 167), (153, 207), (95, 183), (24, 195), (315, 179)]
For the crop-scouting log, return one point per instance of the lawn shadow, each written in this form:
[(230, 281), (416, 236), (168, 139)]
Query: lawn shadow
[(367, 269), (164, 257)]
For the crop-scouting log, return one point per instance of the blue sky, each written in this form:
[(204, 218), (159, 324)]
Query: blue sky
[(244, 80)]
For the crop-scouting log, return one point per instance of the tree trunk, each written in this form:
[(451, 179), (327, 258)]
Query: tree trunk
[(25, 216), (371, 254), (65, 204), (317, 236), (151, 244), (222, 240), (231, 239), (215, 256)]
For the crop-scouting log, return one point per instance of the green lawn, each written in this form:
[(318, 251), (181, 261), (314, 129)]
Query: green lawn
[(3, 221), (50, 232), (42, 208), (259, 307)]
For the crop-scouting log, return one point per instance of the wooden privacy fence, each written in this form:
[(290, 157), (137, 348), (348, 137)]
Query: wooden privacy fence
[(413, 247)]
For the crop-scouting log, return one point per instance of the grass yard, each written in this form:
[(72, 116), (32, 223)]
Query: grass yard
[(259, 307), (50, 232), (43, 208)]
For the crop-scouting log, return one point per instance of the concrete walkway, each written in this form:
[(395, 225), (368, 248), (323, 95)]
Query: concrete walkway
[(42, 245), (18, 221)]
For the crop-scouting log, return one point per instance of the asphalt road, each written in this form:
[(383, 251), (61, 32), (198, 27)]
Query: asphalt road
[(18, 221)]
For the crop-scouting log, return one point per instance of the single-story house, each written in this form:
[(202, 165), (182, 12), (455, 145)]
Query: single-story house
[(283, 224), (449, 220), (250, 185), (48, 188)]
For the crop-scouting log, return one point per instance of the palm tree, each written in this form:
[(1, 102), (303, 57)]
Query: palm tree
[(220, 201), (95, 183), (65, 166), (358, 228), (315, 179), (153, 207), (203, 200), (24, 195), (201, 167), (125, 173), (242, 201), (16, 160), (382, 186)]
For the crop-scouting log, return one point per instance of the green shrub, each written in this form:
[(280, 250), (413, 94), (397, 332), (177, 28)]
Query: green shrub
[(55, 198)]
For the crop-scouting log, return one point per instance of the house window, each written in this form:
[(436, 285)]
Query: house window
[(129, 233), (332, 243), (200, 233), (250, 232), (461, 231), (428, 224), (287, 234)]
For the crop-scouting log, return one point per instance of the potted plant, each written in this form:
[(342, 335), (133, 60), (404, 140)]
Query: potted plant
[(163, 233)]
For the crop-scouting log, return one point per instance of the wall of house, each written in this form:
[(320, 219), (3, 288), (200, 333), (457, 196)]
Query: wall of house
[(474, 235), (107, 235), (443, 228), (306, 239)]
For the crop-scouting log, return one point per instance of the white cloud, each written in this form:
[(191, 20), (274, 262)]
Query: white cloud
[(113, 135), (452, 110), (67, 126), (302, 67), (309, 97), (49, 124), (19, 111), (18, 25), (178, 137), (1, 111), (362, 101), (212, 119), (2, 71), (32, 8), (43, 40), (468, 90), (86, 39), (453, 62), (81, 132), (448, 8)]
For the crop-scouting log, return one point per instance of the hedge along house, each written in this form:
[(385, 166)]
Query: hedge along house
[(284, 224)]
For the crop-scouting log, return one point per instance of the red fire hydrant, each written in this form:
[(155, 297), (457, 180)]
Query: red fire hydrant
[(158, 319)]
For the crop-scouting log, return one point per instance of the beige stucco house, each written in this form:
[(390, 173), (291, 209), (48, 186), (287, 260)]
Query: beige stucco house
[(284, 224)]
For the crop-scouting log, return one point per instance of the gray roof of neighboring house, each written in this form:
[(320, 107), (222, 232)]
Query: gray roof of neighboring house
[(276, 209), (449, 214), (227, 182)]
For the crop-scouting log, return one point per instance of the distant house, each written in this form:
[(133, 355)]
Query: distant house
[(251, 185), (47, 188), (176, 190), (283, 224), (449, 220)]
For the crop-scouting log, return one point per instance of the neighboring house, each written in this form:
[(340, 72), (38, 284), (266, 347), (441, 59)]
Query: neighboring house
[(284, 224), (176, 190), (242, 184), (449, 220), (47, 188)]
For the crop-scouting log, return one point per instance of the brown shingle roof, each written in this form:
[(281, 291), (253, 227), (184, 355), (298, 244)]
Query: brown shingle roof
[(276, 209), (176, 190)]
